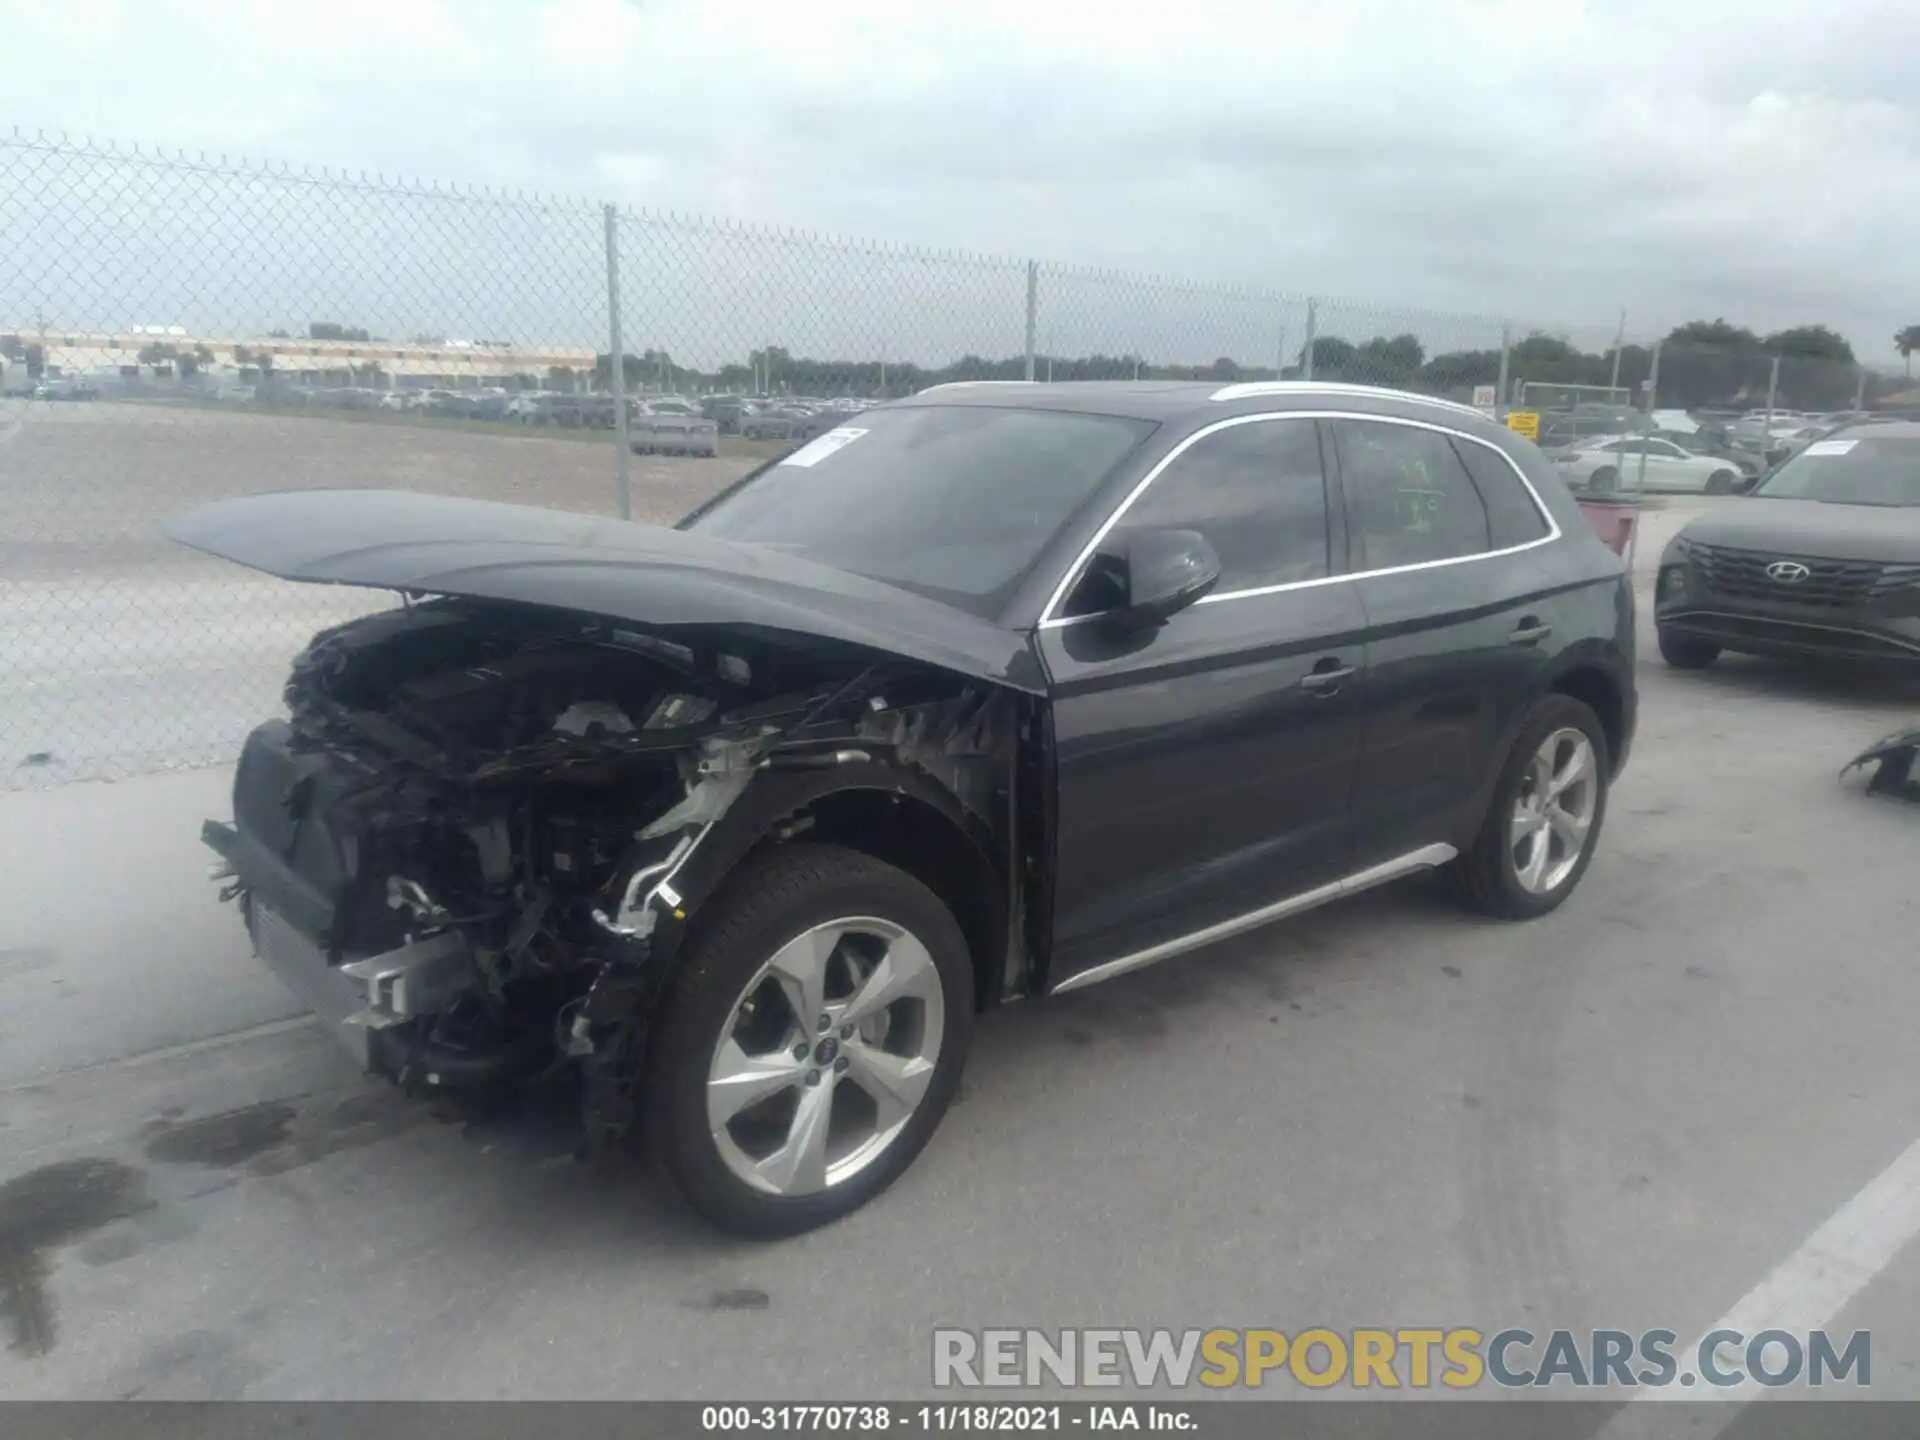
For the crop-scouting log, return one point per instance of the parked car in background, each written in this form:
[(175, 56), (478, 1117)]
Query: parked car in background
[(1822, 559), (1565, 429), (1634, 462), (395, 400), (1020, 689), (655, 429), (66, 388), (725, 411), (554, 409), (1712, 442), (770, 422)]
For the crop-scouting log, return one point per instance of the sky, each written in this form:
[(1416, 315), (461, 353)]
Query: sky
[(1546, 162)]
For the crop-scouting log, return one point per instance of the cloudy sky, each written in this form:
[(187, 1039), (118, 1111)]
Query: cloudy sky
[(1551, 161)]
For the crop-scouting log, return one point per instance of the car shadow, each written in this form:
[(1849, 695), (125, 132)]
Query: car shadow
[(613, 1202), (1827, 683)]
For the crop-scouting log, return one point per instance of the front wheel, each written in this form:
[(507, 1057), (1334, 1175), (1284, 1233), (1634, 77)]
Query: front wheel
[(1720, 482), (1684, 652), (1603, 481), (1540, 831), (812, 1041)]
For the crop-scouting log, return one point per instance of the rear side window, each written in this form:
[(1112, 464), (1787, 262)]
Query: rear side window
[(1409, 499), (1257, 492), (1512, 516)]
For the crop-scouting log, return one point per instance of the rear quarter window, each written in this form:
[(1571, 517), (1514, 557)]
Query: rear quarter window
[(1512, 516)]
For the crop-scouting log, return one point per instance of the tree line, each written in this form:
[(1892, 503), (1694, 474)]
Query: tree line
[(1703, 362)]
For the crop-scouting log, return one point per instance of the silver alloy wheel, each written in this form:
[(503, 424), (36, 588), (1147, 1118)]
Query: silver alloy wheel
[(829, 1052), (1553, 814)]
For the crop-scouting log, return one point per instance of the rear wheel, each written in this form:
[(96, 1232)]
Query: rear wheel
[(1539, 833), (1684, 652), (812, 1042)]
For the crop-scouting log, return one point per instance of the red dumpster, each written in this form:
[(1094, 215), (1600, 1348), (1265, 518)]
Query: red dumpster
[(1615, 522)]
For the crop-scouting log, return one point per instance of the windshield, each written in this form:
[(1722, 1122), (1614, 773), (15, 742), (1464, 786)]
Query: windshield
[(954, 502), (1877, 471)]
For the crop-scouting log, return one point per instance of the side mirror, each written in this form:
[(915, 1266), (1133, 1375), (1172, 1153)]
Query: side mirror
[(1166, 571)]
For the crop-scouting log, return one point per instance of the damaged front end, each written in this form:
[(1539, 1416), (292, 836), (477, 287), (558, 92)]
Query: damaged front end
[(1893, 760), (485, 829)]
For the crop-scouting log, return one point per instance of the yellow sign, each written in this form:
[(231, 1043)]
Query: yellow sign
[(1524, 422)]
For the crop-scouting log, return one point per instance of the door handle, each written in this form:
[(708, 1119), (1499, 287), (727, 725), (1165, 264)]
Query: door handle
[(1529, 632), (1326, 677)]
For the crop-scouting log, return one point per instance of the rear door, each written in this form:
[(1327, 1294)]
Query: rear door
[(1443, 535), (1205, 769)]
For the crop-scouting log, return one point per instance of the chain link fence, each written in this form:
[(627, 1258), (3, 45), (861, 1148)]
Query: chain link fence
[(177, 329)]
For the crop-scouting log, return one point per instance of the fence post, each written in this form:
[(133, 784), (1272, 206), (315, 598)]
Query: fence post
[(1500, 401), (1860, 387), (1653, 393), (1280, 370), (1033, 310), (1306, 355), (617, 365), (1773, 392)]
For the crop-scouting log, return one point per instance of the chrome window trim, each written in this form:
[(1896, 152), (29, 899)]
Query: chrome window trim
[(1427, 857), (1252, 389), (1050, 621)]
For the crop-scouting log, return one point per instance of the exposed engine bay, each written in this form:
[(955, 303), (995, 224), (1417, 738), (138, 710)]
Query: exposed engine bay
[(476, 839)]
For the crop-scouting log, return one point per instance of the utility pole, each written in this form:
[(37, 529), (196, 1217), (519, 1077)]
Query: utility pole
[(1033, 311), (1619, 344), (617, 365)]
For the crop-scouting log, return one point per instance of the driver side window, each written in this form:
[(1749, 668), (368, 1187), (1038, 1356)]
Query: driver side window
[(1256, 491)]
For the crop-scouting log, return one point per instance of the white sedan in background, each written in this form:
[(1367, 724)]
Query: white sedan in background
[(1609, 464)]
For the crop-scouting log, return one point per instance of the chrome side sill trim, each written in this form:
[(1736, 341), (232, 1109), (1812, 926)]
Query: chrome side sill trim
[(1427, 857)]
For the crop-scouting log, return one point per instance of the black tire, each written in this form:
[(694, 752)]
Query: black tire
[(1720, 482), (1684, 652), (1484, 876), (785, 892), (1603, 481)]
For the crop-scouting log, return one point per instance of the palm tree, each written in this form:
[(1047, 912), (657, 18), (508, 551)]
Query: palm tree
[(1906, 342)]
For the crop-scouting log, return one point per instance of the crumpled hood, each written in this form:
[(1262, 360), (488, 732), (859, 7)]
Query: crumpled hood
[(647, 574), (1812, 528)]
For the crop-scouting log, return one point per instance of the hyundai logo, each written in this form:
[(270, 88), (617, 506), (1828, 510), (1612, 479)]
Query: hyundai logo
[(1788, 572)]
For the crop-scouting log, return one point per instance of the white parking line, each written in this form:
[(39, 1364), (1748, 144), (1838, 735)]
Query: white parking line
[(1803, 1292)]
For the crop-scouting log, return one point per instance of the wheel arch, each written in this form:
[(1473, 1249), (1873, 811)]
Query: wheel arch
[(1596, 687), (892, 812)]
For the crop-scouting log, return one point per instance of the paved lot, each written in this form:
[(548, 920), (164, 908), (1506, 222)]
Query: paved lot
[(1387, 1113), (122, 652)]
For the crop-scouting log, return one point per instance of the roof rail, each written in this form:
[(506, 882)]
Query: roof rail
[(1248, 389), (969, 384)]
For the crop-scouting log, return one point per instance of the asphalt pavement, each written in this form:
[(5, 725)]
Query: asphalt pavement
[(1628, 1115)]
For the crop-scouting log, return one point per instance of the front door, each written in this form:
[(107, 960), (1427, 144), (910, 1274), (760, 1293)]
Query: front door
[(1205, 768)]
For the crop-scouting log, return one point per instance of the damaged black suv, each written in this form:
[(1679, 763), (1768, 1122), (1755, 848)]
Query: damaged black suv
[(998, 691)]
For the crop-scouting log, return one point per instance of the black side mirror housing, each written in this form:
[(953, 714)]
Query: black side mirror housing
[(1166, 571)]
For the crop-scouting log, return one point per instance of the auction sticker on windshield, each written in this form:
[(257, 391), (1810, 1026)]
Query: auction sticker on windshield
[(1831, 447), (814, 451)]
